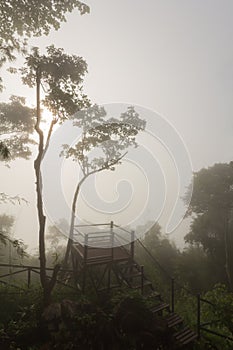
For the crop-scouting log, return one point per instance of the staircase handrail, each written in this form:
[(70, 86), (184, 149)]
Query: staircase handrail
[(164, 270)]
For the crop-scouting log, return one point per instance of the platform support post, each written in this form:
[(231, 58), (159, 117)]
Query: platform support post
[(132, 244)]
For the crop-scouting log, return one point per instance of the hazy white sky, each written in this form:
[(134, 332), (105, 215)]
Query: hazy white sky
[(174, 57)]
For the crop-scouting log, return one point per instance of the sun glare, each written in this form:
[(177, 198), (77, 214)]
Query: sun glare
[(47, 118)]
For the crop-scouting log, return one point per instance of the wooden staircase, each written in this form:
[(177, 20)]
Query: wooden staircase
[(134, 277), (119, 268)]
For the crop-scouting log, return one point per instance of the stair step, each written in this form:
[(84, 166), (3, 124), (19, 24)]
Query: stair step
[(159, 307), (173, 320), (185, 336), (189, 339), (182, 331)]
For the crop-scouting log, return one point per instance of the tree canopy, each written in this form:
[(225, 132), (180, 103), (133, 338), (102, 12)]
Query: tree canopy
[(20, 20), (110, 136), (61, 76), (212, 203)]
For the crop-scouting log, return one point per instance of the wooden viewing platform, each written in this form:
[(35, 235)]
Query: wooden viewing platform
[(93, 256), (107, 245), (103, 258)]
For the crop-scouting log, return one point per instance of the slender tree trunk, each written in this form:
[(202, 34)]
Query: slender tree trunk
[(72, 220), (71, 231), (74, 203), (37, 164), (46, 284)]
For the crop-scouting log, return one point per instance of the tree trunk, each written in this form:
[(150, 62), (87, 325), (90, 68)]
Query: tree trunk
[(37, 165), (71, 231), (45, 283), (72, 220)]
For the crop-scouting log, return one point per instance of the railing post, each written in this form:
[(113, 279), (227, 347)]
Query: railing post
[(112, 239), (85, 260), (29, 277), (142, 279), (198, 315), (112, 253), (132, 244), (85, 247), (173, 294)]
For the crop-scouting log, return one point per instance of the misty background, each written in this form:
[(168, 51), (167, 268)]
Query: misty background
[(173, 57)]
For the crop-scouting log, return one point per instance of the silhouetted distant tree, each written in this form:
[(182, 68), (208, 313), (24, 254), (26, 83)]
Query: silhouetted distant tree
[(212, 225)]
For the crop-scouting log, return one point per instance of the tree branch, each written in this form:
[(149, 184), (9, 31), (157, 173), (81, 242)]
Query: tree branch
[(53, 122)]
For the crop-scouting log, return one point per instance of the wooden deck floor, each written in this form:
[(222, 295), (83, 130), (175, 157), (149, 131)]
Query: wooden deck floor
[(101, 255)]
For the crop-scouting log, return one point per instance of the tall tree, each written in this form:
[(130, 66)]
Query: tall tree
[(110, 137), (212, 205), (62, 77)]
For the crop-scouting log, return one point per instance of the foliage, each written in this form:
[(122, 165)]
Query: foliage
[(22, 19), (161, 265), (4, 151), (6, 223), (17, 123), (212, 203), (54, 236), (222, 309), (67, 324), (218, 311), (61, 75), (212, 198), (212, 188), (6, 238), (194, 267), (4, 198), (111, 136), (56, 240), (19, 317)]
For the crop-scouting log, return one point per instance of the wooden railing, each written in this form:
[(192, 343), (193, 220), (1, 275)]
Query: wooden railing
[(29, 270), (203, 326), (106, 235)]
